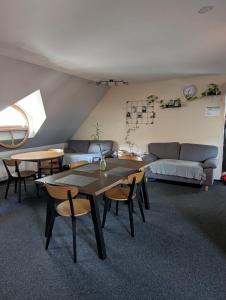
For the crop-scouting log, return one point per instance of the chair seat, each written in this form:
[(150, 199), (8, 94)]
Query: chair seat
[(24, 174), (81, 207), (119, 194)]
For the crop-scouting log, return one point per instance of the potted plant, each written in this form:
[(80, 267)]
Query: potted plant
[(212, 90)]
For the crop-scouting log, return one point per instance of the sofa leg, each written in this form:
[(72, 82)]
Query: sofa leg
[(206, 188)]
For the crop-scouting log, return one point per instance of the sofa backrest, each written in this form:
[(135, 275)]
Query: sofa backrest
[(165, 150), (197, 152), (78, 146), (106, 147)]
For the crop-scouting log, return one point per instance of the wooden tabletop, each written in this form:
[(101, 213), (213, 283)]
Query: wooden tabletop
[(37, 155), (97, 181)]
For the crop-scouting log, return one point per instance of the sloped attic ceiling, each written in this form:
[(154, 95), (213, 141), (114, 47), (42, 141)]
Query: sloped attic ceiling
[(134, 40), (67, 99)]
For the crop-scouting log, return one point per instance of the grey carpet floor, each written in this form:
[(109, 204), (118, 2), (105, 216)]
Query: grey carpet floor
[(179, 253)]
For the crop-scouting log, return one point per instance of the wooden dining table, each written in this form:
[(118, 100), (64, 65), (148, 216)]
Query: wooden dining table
[(39, 156), (93, 182)]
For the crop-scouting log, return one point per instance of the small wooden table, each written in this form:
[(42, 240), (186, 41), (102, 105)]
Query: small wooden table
[(38, 156), (93, 182)]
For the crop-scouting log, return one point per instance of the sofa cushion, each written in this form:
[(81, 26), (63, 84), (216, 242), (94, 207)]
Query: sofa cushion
[(165, 150), (197, 152), (78, 146), (106, 147), (180, 168)]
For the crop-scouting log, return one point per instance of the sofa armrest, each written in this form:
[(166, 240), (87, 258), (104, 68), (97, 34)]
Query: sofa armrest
[(150, 157), (210, 163)]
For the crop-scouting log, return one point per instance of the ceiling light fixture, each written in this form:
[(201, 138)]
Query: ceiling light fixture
[(205, 9), (112, 82)]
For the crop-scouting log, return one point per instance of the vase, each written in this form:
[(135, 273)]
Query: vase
[(103, 164)]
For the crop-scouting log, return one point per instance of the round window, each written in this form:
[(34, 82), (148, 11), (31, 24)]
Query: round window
[(14, 127)]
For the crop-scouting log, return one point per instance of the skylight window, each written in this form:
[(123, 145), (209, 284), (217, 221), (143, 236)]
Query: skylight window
[(21, 120), (32, 105)]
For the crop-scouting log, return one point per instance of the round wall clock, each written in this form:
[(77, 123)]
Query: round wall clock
[(189, 91)]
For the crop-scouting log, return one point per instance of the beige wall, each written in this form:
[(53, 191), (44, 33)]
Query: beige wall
[(186, 124)]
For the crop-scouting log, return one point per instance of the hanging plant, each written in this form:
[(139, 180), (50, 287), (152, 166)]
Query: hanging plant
[(152, 98)]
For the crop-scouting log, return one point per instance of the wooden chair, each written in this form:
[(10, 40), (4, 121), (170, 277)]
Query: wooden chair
[(136, 158), (70, 207), (17, 176), (129, 193), (78, 164), (48, 167)]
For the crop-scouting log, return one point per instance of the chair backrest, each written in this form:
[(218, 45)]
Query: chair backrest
[(79, 163), (61, 192), (11, 163), (130, 157), (138, 177)]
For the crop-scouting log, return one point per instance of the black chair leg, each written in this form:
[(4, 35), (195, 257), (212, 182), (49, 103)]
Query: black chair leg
[(132, 206), (106, 207), (50, 228), (7, 188), (74, 238), (15, 187), (131, 217), (141, 208), (19, 192), (25, 188), (116, 209), (142, 195), (37, 189)]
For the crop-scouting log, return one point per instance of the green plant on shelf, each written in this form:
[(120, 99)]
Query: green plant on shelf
[(190, 98), (212, 90), (172, 103)]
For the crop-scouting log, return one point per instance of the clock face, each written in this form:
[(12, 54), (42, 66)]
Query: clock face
[(189, 91)]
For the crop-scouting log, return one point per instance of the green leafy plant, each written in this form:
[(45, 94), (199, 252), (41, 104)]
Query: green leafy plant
[(190, 98), (152, 98), (172, 103), (96, 135), (127, 139), (212, 90)]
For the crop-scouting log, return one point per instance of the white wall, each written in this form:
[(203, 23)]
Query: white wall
[(186, 124)]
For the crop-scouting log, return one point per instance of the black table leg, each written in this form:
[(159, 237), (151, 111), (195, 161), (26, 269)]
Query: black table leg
[(60, 162), (97, 228), (39, 169), (145, 194)]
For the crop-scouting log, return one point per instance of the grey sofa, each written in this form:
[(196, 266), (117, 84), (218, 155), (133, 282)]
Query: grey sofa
[(190, 163), (87, 150)]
